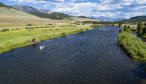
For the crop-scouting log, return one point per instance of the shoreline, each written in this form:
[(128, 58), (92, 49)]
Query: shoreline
[(42, 38)]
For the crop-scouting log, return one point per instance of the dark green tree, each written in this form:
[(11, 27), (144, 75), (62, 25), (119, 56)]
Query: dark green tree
[(144, 29), (127, 28), (3, 5), (139, 28), (120, 24)]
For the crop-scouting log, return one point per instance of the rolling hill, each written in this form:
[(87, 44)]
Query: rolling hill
[(107, 19), (82, 18), (3, 5), (135, 19), (10, 16), (42, 13)]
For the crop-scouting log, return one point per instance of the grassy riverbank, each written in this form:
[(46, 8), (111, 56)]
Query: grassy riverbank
[(133, 45), (12, 39)]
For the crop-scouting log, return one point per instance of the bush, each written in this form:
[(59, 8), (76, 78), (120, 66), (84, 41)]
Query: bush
[(127, 29), (4, 30), (81, 30), (49, 24), (120, 25), (33, 41), (133, 45), (86, 29), (63, 34), (29, 25), (95, 25)]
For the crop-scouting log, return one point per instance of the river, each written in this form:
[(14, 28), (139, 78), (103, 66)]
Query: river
[(92, 57)]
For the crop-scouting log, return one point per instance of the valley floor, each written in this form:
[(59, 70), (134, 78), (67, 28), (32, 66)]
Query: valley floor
[(13, 38)]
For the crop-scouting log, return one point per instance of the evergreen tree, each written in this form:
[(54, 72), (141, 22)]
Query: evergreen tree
[(120, 24), (139, 28), (144, 29), (1, 4), (113, 25), (127, 28)]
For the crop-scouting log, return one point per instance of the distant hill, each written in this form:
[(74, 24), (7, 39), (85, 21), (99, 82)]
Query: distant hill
[(24, 8), (107, 19), (82, 17), (3, 5), (9, 15), (135, 19), (7, 11), (42, 13), (45, 11)]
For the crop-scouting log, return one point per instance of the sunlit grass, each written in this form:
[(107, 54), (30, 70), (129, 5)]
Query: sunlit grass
[(133, 45), (17, 38)]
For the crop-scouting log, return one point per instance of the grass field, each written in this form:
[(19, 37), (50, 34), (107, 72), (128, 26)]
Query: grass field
[(17, 38)]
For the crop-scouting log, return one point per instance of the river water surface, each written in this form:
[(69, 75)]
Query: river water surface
[(92, 57)]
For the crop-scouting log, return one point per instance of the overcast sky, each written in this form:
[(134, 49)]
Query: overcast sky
[(108, 8)]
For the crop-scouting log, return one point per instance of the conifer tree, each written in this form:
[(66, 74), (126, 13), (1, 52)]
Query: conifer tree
[(139, 28)]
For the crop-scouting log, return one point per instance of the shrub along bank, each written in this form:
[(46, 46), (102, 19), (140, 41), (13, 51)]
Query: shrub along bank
[(134, 46)]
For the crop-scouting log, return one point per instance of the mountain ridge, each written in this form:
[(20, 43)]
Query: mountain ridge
[(3, 5), (107, 19), (41, 13), (135, 19)]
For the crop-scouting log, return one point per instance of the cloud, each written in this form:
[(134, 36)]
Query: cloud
[(23, 0), (109, 8), (52, 0), (76, 8), (38, 1), (89, 9)]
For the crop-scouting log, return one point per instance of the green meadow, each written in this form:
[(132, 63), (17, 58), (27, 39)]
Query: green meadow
[(14, 38)]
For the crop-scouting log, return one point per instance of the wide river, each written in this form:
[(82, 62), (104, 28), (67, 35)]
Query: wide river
[(92, 57)]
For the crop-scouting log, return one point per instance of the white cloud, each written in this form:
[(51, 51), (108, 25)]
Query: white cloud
[(38, 1), (87, 8), (109, 8), (23, 0), (141, 2), (76, 9), (129, 14)]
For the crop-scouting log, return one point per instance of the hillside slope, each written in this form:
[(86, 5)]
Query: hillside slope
[(135, 19), (3, 5), (42, 14), (12, 17), (82, 18), (9, 12)]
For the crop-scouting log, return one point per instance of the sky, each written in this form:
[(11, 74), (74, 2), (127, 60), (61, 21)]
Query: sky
[(96, 8)]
